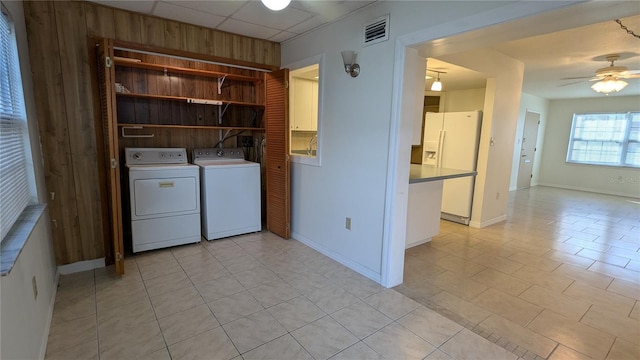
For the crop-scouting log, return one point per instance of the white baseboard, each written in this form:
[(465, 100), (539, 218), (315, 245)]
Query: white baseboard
[(81, 266), (480, 225), (364, 271), (597, 191), (419, 242), (47, 328)]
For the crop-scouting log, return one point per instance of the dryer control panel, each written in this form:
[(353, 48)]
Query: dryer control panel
[(218, 154), (153, 156)]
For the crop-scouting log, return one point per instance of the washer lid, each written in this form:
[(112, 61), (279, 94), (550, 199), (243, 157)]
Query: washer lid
[(154, 167), (226, 163)]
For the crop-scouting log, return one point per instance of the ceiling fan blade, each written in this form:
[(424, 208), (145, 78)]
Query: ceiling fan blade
[(577, 77), (571, 83), (631, 76)]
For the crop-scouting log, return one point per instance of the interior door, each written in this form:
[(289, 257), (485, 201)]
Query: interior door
[(527, 152), (276, 154), (106, 83)]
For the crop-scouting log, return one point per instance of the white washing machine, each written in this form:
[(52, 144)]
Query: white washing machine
[(164, 191), (230, 190)]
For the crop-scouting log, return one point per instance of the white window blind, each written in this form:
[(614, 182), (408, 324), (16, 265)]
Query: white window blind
[(14, 184), (605, 139)]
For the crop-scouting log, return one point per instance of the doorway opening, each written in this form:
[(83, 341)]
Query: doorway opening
[(528, 149)]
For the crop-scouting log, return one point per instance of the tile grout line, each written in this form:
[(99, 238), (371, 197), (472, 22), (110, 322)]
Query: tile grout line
[(95, 298), (475, 328)]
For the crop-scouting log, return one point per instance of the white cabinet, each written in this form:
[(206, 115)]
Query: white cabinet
[(304, 105), (423, 212)]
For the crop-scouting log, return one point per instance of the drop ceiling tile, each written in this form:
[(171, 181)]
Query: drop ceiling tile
[(330, 10), (247, 29), (256, 13), (282, 36), (221, 8), (306, 25), (141, 6), (187, 15)]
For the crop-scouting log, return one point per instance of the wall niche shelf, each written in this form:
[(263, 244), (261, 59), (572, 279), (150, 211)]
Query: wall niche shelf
[(168, 69), (189, 100), (202, 127)]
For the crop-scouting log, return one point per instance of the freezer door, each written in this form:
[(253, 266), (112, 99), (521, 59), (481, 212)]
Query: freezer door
[(459, 147), (431, 138), (457, 195), (432, 126), (459, 150)]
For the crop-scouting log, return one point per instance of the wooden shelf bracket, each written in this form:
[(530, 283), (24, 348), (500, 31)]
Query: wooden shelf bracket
[(220, 83)]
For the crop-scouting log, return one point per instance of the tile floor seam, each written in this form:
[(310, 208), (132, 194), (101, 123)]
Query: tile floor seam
[(471, 326), (95, 294)]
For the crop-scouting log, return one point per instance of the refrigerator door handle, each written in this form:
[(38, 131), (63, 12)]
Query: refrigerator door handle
[(440, 147)]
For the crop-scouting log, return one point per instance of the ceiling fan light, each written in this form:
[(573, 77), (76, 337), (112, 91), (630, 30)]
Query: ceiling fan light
[(276, 5), (436, 86), (609, 85)]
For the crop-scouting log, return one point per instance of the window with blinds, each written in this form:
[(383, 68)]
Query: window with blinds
[(15, 192), (605, 139)]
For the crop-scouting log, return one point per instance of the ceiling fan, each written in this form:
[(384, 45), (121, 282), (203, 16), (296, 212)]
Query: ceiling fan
[(610, 73)]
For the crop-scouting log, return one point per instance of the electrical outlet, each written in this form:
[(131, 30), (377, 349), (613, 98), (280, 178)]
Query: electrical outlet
[(247, 141), (347, 223), (35, 287)]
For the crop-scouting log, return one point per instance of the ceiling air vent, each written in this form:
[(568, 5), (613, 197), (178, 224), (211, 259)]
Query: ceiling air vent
[(377, 31)]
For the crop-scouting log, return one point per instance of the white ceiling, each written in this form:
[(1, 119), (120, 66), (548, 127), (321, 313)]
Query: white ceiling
[(548, 58)]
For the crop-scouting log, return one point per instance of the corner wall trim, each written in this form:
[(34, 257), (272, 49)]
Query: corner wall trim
[(52, 303), (480, 225), (81, 266), (339, 258)]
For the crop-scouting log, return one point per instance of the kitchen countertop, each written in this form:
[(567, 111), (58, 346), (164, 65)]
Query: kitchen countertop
[(423, 173)]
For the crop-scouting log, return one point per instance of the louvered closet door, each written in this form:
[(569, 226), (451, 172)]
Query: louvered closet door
[(106, 82), (276, 154)]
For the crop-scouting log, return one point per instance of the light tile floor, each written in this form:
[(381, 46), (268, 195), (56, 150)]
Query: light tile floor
[(255, 296), (559, 279)]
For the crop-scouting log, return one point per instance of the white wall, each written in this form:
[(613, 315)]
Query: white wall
[(463, 100), (500, 114), (24, 321), (360, 127), (538, 105), (554, 171)]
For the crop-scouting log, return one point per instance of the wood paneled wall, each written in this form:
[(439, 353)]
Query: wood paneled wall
[(58, 32)]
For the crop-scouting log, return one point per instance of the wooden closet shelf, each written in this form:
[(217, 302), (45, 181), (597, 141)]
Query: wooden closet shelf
[(185, 71), (208, 127), (190, 100)]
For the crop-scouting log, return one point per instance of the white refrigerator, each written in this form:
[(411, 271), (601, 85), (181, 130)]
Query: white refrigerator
[(451, 141)]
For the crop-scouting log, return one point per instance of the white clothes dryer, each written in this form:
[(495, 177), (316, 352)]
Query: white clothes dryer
[(230, 193), (164, 196)]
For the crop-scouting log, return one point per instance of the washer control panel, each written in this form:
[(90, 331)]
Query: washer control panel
[(151, 156), (218, 154)]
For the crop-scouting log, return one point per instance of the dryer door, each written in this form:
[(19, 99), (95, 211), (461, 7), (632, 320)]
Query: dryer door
[(164, 196)]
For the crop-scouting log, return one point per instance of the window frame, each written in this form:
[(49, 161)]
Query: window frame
[(14, 118), (624, 143), (313, 60)]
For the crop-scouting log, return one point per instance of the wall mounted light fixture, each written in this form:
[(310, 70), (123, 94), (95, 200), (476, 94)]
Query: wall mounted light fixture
[(349, 60), (437, 85), (276, 5)]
